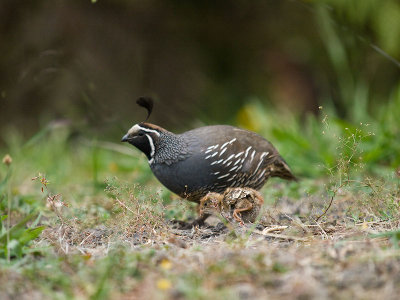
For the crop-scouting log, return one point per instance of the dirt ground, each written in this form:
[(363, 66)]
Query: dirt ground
[(287, 255)]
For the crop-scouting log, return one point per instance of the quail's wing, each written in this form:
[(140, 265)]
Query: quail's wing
[(236, 157)]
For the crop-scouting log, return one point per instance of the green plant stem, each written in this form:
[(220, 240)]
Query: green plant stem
[(9, 215)]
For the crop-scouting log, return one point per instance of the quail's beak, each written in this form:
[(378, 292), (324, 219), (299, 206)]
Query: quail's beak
[(125, 138)]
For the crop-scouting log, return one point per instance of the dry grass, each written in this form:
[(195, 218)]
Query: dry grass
[(287, 255)]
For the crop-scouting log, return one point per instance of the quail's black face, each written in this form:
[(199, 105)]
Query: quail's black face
[(142, 138)]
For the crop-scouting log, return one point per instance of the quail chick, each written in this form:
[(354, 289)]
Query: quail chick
[(240, 204)]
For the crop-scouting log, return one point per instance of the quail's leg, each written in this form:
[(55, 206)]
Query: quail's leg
[(259, 198), (200, 220), (237, 211), (197, 222)]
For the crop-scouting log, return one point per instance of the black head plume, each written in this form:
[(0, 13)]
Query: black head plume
[(147, 103)]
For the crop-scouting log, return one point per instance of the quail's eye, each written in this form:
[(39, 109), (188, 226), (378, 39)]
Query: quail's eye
[(140, 134)]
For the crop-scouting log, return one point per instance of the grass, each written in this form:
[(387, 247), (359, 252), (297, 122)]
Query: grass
[(86, 218)]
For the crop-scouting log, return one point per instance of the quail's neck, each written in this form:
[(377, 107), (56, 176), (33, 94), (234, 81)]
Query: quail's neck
[(170, 148)]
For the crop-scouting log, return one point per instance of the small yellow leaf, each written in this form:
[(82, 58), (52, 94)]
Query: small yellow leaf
[(164, 284), (166, 264), (113, 167)]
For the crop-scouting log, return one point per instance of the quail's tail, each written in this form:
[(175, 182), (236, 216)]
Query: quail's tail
[(282, 170)]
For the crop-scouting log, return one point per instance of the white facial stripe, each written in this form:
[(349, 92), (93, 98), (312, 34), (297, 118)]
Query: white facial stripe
[(136, 128), (151, 146)]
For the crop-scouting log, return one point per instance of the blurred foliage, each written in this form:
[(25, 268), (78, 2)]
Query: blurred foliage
[(87, 62), (382, 18), (312, 145)]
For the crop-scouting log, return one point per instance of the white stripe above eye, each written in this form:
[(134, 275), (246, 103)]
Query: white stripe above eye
[(137, 127)]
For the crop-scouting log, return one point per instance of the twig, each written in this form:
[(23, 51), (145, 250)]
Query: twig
[(333, 196), (86, 238), (275, 228), (298, 224), (124, 205), (323, 231), (281, 236), (326, 210)]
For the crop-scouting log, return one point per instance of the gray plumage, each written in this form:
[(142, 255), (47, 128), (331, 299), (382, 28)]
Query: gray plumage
[(210, 158)]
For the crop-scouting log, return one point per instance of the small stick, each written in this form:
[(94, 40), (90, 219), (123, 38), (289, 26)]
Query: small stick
[(124, 205), (86, 238), (281, 236), (333, 196), (275, 228)]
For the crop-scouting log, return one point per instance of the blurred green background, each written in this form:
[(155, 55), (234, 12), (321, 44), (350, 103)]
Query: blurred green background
[(83, 64)]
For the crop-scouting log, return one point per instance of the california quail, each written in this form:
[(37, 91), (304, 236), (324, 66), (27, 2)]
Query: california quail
[(210, 158)]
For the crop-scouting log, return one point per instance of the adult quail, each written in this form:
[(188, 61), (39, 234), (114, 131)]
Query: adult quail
[(206, 159)]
